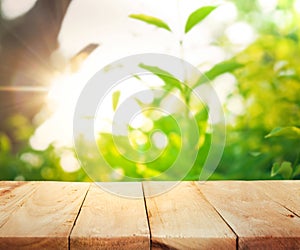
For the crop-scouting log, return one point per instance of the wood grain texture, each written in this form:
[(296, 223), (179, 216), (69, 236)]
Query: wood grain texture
[(42, 217), (259, 222), (183, 219), (12, 195), (107, 221), (264, 215), (287, 193)]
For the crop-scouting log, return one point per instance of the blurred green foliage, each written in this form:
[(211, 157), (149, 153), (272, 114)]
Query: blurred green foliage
[(22, 162), (263, 141), (269, 85), (142, 149)]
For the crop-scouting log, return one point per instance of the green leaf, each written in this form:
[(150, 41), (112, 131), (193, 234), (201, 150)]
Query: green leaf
[(218, 69), (151, 20), (275, 169), (197, 16), (5, 144), (255, 154), (169, 80), (115, 99), (202, 115), (137, 77), (296, 171), (290, 132), (284, 169)]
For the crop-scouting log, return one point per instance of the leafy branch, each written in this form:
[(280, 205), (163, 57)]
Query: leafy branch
[(286, 169), (151, 20)]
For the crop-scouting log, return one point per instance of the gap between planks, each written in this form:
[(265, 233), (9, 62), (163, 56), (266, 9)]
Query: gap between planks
[(274, 194), (145, 203), (108, 221), (218, 210), (183, 219), (236, 235), (42, 218), (256, 214), (69, 237)]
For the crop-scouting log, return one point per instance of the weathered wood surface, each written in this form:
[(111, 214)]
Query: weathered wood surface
[(286, 193), (182, 218), (258, 220), (192, 215), (39, 215), (108, 221)]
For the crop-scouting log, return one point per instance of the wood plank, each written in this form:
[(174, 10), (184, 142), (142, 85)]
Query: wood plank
[(12, 194), (108, 221), (183, 219), (259, 222), (287, 193), (45, 217)]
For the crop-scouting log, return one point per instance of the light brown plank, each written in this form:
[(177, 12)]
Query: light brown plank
[(107, 221), (287, 193), (12, 194), (182, 219), (44, 218), (259, 222)]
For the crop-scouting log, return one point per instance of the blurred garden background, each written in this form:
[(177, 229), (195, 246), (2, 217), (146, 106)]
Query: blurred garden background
[(249, 51)]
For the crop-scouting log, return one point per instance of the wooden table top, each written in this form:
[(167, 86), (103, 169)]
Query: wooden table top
[(192, 215)]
